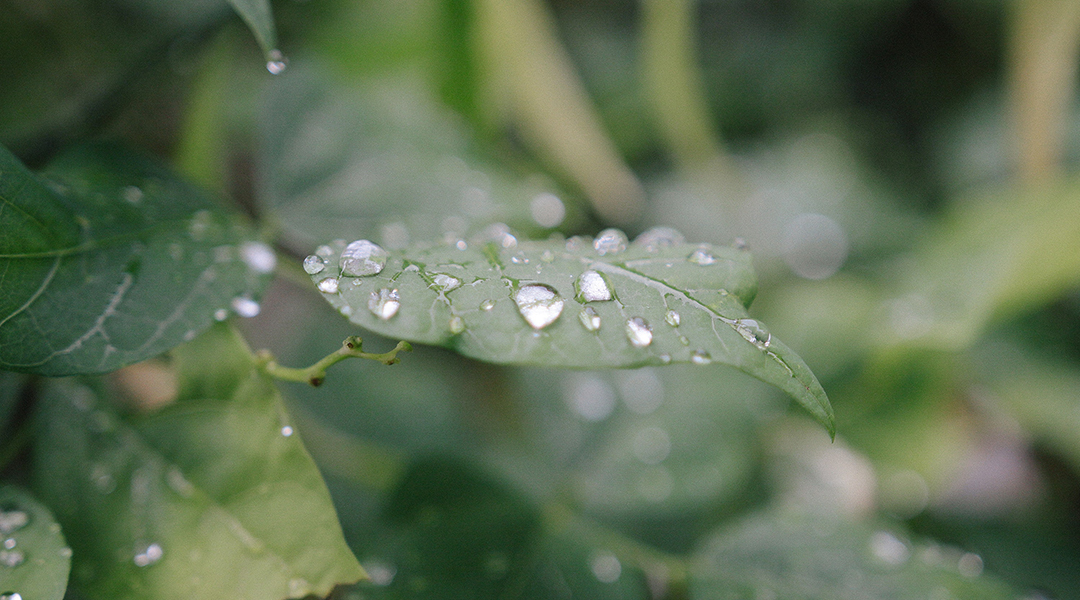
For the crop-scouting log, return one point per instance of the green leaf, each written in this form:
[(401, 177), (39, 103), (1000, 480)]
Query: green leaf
[(11, 386), (260, 19), (212, 497), (799, 556), (583, 304), (108, 259), (34, 558)]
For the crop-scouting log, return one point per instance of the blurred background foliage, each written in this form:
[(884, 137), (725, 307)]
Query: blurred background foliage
[(902, 170)]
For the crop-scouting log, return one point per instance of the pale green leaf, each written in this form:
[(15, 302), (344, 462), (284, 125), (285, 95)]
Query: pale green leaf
[(34, 558), (581, 304), (108, 259)]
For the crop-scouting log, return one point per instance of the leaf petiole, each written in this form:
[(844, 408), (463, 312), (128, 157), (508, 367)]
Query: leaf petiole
[(352, 347)]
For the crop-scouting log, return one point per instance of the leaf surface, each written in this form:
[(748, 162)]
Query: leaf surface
[(583, 304), (212, 497), (108, 259), (260, 19), (34, 558)]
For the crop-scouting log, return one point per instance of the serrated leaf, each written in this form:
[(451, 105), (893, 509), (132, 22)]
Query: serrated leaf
[(107, 259), (34, 558), (580, 304), (209, 498)]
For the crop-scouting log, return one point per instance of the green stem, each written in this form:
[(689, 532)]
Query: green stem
[(352, 347)]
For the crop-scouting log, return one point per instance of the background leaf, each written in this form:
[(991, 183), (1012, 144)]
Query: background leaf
[(34, 558), (111, 259)]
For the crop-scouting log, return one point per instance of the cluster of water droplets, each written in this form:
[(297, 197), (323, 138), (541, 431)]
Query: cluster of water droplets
[(11, 521)]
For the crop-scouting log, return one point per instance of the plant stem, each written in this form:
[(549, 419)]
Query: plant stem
[(352, 347)]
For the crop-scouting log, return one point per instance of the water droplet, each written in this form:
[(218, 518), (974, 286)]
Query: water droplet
[(539, 304), (888, 548), (190, 334), (363, 258), (672, 318), (519, 259), (456, 324), (245, 307), (547, 210), (461, 245), (313, 265), (700, 357), (659, 237), (638, 332), (328, 285), (753, 332), (610, 241), (132, 194), (276, 62), (384, 303), (701, 257), (605, 566), (286, 431), (146, 555), (445, 283), (487, 305), (10, 543), (11, 596), (324, 251), (13, 520), (592, 287), (589, 319), (258, 257), (221, 314)]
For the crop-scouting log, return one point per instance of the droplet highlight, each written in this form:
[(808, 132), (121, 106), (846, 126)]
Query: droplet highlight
[(539, 304), (276, 62), (700, 357), (592, 287), (487, 305), (328, 285), (362, 259), (638, 332), (589, 319), (384, 303), (610, 241)]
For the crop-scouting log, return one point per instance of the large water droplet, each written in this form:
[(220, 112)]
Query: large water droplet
[(701, 257), (313, 265), (276, 62), (11, 558), (328, 285), (258, 257), (445, 283), (592, 287), (148, 554), (659, 237), (245, 307), (753, 332), (638, 332), (13, 520), (589, 319), (610, 241), (672, 318), (456, 324), (384, 303), (700, 357), (539, 304), (11, 596), (363, 258)]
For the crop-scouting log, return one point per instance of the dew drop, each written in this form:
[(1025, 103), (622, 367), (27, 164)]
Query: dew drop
[(362, 258), (328, 285), (276, 62), (539, 304), (10, 543), (445, 283), (610, 241), (384, 303), (147, 555), (592, 287), (659, 237), (487, 305), (11, 558), (753, 332), (221, 314), (638, 332), (589, 319), (13, 520), (461, 245), (456, 324), (286, 431), (672, 318), (245, 307), (132, 194), (258, 257), (700, 357), (313, 265), (11, 596), (701, 257), (970, 565)]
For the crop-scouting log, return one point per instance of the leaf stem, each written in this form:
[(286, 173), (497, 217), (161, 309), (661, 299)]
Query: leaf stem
[(352, 347)]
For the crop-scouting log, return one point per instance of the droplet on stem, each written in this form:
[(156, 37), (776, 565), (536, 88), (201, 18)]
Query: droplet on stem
[(276, 62)]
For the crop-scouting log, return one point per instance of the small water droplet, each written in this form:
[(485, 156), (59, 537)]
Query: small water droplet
[(13, 520), (461, 245), (11, 596), (456, 324), (610, 241), (276, 62), (286, 431), (11, 558), (10, 543), (487, 305), (700, 357), (190, 334), (245, 307), (547, 210), (672, 318), (638, 332), (753, 332), (221, 314), (701, 257), (384, 303), (146, 555), (132, 194), (605, 566), (592, 287), (328, 285), (519, 259), (362, 258), (258, 257), (445, 283), (539, 304), (313, 265), (659, 237), (589, 319)]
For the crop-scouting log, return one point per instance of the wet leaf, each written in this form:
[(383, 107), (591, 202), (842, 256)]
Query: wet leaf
[(34, 558), (583, 304), (213, 497), (107, 259)]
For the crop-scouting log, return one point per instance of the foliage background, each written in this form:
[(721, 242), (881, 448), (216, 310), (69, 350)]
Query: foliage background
[(902, 171)]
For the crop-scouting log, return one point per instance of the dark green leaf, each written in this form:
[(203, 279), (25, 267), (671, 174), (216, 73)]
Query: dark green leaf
[(34, 559), (108, 259), (580, 304), (209, 498), (11, 386)]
